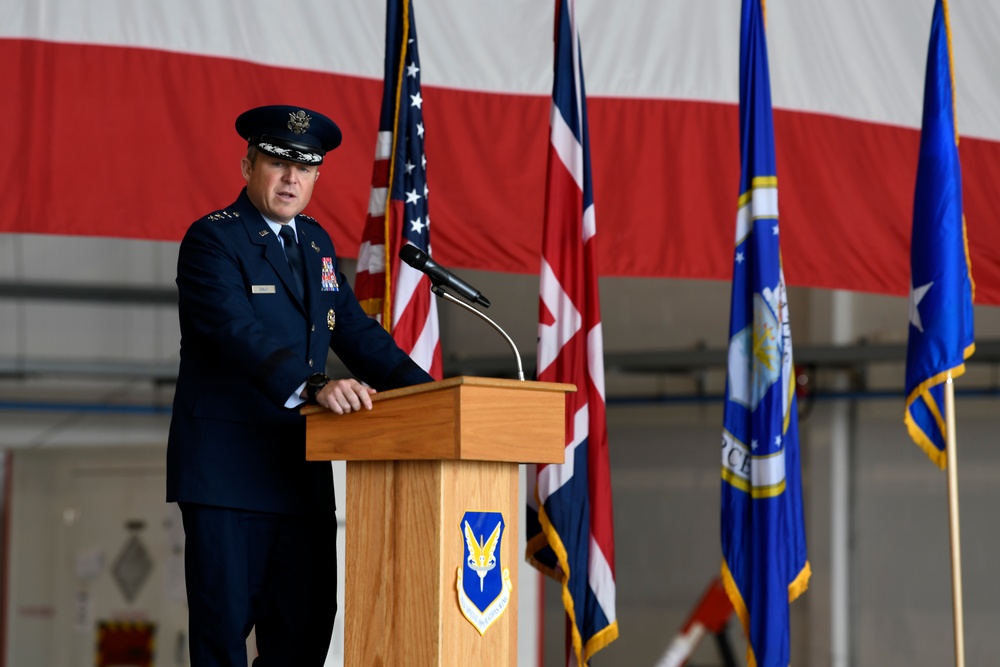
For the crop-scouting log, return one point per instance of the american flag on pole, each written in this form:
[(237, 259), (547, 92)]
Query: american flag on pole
[(394, 293), (764, 564), (570, 529), (941, 288)]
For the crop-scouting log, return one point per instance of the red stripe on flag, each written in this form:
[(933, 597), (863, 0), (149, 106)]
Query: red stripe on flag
[(410, 323), (76, 119), (373, 232), (380, 173)]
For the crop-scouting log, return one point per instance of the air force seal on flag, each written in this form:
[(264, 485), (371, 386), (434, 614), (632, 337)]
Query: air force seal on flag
[(763, 341), (483, 587)]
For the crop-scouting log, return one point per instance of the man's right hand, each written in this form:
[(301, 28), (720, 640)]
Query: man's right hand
[(343, 396)]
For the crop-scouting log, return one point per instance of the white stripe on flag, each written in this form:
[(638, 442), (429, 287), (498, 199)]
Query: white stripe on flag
[(589, 223), (742, 223), (371, 258), (406, 284), (764, 201), (577, 88), (761, 471), (423, 349), (595, 359), (383, 145), (768, 471), (567, 147), (552, 337), (602, 580), (553, 477), (376, 201)]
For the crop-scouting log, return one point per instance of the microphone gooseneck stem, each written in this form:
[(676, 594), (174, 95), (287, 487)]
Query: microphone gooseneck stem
[(517, 355)]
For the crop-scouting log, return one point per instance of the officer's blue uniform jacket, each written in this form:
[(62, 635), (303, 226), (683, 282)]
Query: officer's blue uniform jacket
[(247, 342)]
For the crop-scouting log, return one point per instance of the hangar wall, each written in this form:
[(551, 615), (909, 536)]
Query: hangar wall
[(94, 374)]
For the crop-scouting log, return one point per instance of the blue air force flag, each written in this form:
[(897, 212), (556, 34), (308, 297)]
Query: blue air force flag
[(763, 533), (484, 586), (941, 288)]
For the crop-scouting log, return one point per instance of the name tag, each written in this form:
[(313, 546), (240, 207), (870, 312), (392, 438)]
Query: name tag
[(262, 289)]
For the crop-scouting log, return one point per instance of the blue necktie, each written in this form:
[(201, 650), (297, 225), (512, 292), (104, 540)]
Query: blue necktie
[(294, 255)]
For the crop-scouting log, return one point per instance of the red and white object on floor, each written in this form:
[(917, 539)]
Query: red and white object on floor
[(709, 617)]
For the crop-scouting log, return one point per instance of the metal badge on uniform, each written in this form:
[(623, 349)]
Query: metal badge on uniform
[(314, 246), (484, 585), (262, 289), (329, 278), (331, 319)]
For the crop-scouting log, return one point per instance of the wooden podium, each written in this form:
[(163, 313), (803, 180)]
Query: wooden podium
[(417, 462)]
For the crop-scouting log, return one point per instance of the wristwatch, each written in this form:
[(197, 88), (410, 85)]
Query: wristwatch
[(314, 383)]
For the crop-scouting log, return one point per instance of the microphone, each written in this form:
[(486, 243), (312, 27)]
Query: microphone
[(440, 276)]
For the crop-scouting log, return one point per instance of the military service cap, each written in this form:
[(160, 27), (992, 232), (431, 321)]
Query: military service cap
[(290, 133)]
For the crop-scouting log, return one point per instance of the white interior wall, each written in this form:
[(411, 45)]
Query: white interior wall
[(73, 513)]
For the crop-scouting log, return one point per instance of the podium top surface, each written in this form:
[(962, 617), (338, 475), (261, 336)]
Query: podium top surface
[(461, 418), (461, 380)]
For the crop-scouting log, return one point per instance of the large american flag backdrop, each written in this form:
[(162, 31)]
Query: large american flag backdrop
[(116, 120), (570, 529), (396, 294)]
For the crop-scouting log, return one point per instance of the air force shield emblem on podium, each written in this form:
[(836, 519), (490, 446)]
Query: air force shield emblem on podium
[(483, 586)]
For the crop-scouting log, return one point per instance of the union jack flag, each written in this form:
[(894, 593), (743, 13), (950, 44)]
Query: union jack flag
[(394, 293), (570, 529)]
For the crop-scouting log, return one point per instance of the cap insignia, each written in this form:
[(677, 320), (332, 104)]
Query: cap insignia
[(298, 122)]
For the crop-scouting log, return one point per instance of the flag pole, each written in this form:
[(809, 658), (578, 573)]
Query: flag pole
[(956, 546)]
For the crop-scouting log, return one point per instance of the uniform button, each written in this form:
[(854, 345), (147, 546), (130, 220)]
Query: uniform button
[(312, 328), (310, 362)]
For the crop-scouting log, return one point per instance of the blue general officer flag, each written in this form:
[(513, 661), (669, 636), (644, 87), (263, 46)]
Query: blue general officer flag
[(941, 287), (764, 563)]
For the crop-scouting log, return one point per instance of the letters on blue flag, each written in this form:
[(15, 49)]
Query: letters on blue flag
[(763, 531), (941, 333)]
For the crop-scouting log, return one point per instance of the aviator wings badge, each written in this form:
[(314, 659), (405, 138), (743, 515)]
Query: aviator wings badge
[(484, 588)]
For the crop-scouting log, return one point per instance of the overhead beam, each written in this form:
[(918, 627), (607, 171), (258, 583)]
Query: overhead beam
[(96, 292)]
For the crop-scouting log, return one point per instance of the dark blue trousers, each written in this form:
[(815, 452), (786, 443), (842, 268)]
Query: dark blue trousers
[(274, 572)]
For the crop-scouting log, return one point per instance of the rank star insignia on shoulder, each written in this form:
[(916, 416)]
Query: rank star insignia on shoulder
[(222, 215)]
